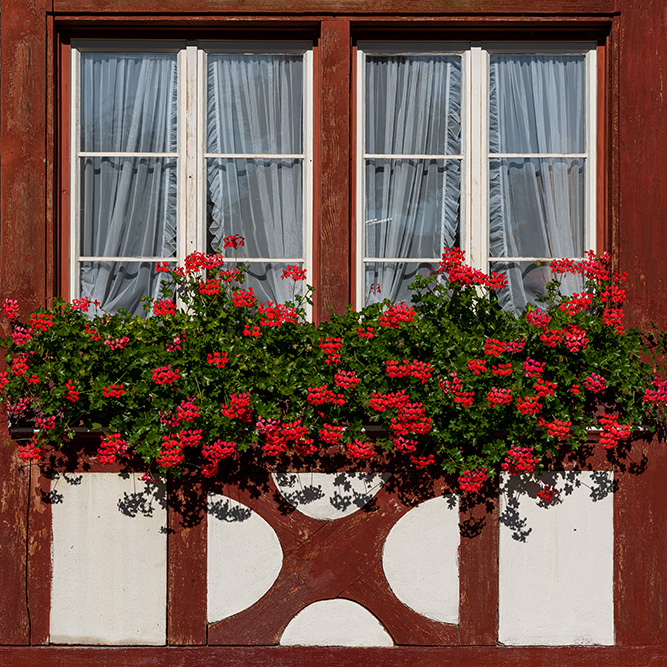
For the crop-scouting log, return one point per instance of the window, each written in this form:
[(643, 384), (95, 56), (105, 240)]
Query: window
[(487, 146), (176, 146), (490, 147)]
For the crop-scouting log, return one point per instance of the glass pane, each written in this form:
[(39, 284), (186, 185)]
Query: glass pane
[(412, 207), (255, 103), (119, 285), (261, 200), (128, 102), (537, 207), (267, 282), (537, 103), (525, 283), (413, 104), (388, 280), (128, 207)]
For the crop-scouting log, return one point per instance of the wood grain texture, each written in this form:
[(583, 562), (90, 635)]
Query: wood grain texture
[(444, 7), (335, 50), (306, 656), (14, 498), (186, 563)]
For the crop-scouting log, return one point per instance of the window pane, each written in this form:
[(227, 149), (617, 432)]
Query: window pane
[(525, 283), (128, 102), (537, 207), (128, 207), (413, 104), (119, 285), (262, 200), (537, 104), (412, 207), (255, 103), (389, 280)]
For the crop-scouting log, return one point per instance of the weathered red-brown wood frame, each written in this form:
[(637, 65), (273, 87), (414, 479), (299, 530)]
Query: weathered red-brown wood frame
[(632, 200)]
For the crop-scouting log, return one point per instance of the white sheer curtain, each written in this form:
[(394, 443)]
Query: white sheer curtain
[(537, 106), (255, 108), (127, 204), (413, 107)]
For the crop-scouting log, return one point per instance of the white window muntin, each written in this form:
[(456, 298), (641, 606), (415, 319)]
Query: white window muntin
[(475, 153), (191, 145)]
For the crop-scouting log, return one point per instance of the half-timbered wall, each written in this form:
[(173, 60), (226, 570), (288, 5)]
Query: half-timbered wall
[(88, 557)]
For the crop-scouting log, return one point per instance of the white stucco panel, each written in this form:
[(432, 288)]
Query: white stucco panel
[(420, 559), (336, 622), (244, 557), (556, 562), (109, 560)]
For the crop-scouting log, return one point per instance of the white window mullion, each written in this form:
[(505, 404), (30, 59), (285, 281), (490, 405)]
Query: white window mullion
[(307, 149), (590, 231), (189, 114), (75, 170), (360, 180), (477, 152)]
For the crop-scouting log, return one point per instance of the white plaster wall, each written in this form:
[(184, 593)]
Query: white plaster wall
[(335, 622), (329, 496), (244, 557), (420, 559), (556, 562), (109, 560)]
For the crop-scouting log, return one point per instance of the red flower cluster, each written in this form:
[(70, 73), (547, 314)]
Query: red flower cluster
[(594, 382), (46, 423), (213, 453), (421, 462), (473, 481), (82, 304), (210, 287), (576, 303), (191, 438), (164, 375), (551, 337), (10, 308), (276, 314), (557, 428), (33, 379), (455, 386), (244, 298), (396, 314), (494, 347), (360, 449), (544, 388), (41, 321), (238, 407), (596, 267), (21, 335), (452, 264), (175, 342), (528, 405), (575, 389), (499, 397), (477, 366), (111, 447), (4, 380), (19, 365), (410, 419), (330, 434), (613, 317), (294, 271), (116, 343), (519, 460), (229, 275), (516, 345), (171, 452), (575, 338), (548, 495), (405, 445), (368, 333), (346, 379), (164, 307), (217, 359), (614, 293), (114, 390), (30, 451), (93, 333), (331, 347), (538, 318), (254, 331), (277, 436), (71, 392), (657, 392), (532, 368), (502, 369), (187, 411), (382, 402), (612, 431), (322, 395), (233, 241), (416, 369), (196, 261)]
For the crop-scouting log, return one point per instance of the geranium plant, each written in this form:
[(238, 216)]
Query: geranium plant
[(451, 379)]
